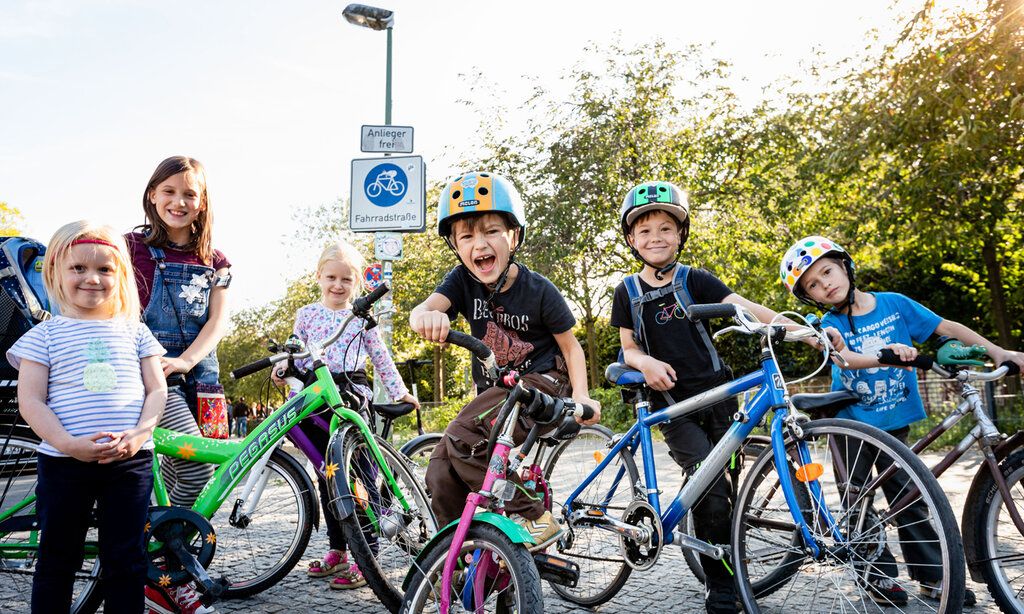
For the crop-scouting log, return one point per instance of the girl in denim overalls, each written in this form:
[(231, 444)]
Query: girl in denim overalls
[(182, 282)]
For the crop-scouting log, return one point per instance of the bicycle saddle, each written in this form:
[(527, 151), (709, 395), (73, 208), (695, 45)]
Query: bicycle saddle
[(393, 410), (621, 374), (825, 404)]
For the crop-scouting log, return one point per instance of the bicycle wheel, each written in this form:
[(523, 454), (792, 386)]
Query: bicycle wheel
[(384, 538), (510, 584), (256, 550), (882, 547), (603, 571), (998, 545), (418, 451), (752, 448), (19, 537)]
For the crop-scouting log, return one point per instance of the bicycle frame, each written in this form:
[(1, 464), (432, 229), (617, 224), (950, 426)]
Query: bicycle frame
[(770, 397), (237, 459)]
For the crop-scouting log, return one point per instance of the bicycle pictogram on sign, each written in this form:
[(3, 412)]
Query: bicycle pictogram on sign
[(385, 185)]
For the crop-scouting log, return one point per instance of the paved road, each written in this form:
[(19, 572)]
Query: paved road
[(668, 587)]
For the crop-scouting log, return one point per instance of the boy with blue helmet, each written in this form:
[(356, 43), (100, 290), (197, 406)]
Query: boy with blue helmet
[(519, 315)]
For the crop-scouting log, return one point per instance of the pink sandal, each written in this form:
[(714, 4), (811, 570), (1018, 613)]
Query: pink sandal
[(335, 561), (353, 578)]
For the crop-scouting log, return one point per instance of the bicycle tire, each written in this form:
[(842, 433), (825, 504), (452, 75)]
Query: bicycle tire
[(418, 451), (751, 449), (602, 577), (995, 538), (385, 569), (807, 580), (253, 557), (521, 595), (18, 481)]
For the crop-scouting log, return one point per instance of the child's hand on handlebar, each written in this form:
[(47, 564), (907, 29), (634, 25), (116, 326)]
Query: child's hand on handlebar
[(277, 379), (905, 353), (1001, 356), (584, 399), (431, 325)]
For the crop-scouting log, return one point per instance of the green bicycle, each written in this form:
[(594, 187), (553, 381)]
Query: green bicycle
[(272, 506)]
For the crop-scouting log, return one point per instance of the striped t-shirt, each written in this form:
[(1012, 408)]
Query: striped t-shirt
[(95, 380)]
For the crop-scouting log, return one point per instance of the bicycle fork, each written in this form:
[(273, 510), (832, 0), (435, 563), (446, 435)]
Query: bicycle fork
[(252, 491)]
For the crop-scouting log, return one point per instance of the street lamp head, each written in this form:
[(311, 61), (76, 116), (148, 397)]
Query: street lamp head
[(369, 16)]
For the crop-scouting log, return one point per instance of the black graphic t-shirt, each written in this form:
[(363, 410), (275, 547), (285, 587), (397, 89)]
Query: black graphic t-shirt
[(520, 328), (670, 336)]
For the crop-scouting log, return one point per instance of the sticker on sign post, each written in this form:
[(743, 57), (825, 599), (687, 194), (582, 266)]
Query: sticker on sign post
[(388, 194), (372, 276)]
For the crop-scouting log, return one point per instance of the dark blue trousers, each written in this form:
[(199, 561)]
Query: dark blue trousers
[(66, 493)]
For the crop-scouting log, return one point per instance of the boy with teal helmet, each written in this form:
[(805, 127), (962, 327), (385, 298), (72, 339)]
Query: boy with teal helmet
[(818, 272), (676, 355), (519, 315)]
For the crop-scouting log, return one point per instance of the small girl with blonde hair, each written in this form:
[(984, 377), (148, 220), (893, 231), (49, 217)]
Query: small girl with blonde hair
[(338, 274), (90, 385)]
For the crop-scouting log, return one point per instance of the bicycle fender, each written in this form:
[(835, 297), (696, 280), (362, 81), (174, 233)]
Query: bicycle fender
[(513, 530), (970, 519), (1011, 444), (342, 501), (416, 441)]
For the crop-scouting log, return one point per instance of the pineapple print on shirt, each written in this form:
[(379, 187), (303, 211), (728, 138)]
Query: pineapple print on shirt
[(99, 375)]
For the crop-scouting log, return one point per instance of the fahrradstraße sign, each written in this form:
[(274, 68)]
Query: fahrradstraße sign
[(388, 194)]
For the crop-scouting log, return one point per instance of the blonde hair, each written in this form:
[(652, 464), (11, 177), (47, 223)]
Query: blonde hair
[(125, 301), (346, 253)]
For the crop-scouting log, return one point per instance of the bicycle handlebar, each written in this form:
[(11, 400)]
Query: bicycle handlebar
[(708, 311), (477, 348), (888, 357), (360, 308)]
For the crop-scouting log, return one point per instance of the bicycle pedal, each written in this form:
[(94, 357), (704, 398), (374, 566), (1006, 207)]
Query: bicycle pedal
[(556, 569)]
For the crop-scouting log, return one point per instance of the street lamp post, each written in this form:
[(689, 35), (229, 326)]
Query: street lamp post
[(375, 19), (379, 19)]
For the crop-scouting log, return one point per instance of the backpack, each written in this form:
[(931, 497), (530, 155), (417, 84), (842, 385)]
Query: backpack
[(23, 300), (683, 299)]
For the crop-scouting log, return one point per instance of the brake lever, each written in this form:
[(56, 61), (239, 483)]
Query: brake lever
[(729, 329)]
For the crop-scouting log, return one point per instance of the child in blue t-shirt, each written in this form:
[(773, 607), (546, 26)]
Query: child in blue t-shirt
[(820, 273), (90, 385)]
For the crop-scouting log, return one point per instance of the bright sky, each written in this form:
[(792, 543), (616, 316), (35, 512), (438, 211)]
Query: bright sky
[(270, 96)]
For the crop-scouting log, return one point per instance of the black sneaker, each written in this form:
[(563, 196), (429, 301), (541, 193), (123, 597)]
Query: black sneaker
[(884, 591), (721, 600), (932, 591)]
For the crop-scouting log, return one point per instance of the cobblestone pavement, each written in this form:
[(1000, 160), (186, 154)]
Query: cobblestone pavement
[(668, 587)]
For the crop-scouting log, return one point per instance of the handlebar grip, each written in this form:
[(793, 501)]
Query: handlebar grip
[(888, 357), (251, 368), (710, 310), (363, 303), (1012, 368), (585, 411), (471, 343)]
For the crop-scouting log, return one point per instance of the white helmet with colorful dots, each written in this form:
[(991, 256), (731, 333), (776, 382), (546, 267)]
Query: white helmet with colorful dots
[(802, 255)]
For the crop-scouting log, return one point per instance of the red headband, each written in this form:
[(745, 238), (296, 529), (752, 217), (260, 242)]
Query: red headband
[(96, 241)]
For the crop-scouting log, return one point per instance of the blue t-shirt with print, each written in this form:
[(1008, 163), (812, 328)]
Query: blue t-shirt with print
[(889, 398)]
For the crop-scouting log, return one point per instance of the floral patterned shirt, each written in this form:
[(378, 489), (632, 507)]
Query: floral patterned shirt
[(316, 322)]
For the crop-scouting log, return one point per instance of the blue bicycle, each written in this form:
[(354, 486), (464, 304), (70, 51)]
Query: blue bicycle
[(831, 516)]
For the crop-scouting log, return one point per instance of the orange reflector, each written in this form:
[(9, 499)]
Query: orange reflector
[(598, 456), (362, 497), (810, 472)]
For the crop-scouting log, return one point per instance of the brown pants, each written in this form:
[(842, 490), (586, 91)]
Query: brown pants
[(459, 462)]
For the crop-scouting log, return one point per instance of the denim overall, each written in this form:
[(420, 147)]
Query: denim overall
[(178, 309)]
